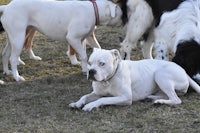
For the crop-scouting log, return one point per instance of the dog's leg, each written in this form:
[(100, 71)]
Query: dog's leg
[(71, 53), (125, 50), (78, 47), (148, 45), (167, 86), (119, 100), (136, 26), (29, 43), (84, 100), (158, 95), (160, 50), (17, 43), (5, 58)]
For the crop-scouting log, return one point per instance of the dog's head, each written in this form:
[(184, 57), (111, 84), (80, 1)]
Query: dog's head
[(110, 13), (123, 6), (103, 64)]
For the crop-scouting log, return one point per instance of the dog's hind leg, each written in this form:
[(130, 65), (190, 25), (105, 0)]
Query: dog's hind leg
[(157, 95), (78, 47), (71, 53), (167, 86), (30, 32)]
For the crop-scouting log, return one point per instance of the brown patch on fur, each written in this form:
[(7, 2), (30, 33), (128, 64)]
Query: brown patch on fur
[(30, 32)]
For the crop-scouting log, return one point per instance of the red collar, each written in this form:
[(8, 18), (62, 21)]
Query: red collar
[(95, 11)]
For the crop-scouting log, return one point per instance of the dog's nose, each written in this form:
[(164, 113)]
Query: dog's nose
[(91, 74)]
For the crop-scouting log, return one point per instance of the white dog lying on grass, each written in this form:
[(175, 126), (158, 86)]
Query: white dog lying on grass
[(119, 82)]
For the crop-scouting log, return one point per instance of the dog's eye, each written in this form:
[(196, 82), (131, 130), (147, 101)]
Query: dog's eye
[(101, 63)]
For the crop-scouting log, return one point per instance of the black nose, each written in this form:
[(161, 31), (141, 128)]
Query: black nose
[(91, 74)]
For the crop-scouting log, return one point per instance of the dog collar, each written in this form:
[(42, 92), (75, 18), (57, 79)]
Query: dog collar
[(95, 11), (111, 76)]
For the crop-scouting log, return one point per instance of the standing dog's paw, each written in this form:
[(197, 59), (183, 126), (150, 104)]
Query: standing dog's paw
[(37, 58)]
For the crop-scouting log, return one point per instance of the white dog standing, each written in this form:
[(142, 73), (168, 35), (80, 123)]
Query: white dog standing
[(60, 20), (119, 82)]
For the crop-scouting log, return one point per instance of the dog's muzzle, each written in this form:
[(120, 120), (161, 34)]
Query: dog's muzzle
[(91, 74)]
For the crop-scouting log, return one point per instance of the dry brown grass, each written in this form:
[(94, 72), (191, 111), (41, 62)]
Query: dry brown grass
[(2, 2)]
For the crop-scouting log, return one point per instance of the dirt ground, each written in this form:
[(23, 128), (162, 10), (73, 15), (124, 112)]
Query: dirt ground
[(40, 104)]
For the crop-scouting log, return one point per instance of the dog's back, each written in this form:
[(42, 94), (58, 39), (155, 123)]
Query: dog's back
[(161, 6)]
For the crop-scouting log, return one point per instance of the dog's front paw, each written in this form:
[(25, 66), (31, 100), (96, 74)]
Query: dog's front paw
[(75, 105), (20, 62), (90, 106)]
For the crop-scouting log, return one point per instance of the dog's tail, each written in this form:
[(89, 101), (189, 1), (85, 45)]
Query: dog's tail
[(194, 85)]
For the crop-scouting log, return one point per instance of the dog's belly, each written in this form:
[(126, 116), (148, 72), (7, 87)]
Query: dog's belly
[(56, 18), (141, 90), (143, 77), (54, 34)]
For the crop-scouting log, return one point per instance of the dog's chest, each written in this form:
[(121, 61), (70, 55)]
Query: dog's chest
[(105, 89)]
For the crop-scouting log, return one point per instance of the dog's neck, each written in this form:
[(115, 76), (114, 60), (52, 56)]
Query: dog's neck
[(111, 75), (96, 11)]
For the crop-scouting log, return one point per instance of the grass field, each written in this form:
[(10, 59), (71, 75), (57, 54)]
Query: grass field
[(40, 104)]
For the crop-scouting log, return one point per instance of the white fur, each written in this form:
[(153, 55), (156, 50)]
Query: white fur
[(55, 19), (140, 20), (182, 24), (132, 81)]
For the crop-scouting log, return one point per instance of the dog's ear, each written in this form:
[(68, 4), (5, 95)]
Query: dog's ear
[(116, 54), (112, 10)]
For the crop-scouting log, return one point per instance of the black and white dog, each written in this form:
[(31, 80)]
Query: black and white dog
[(143, 16), (173, 29), (178, 35)]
